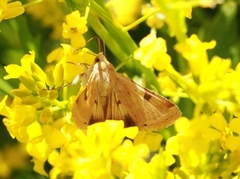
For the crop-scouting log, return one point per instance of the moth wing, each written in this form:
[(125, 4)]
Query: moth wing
[(87, 108), (148, 110), (117, 111)]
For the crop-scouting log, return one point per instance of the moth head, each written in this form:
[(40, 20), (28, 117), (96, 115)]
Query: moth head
[(101, 63), (100, 58), (97, 59)]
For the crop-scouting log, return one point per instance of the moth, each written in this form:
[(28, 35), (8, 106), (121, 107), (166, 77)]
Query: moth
[(111, 95)]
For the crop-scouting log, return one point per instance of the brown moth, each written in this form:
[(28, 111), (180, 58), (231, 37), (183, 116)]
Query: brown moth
[(111, 95)]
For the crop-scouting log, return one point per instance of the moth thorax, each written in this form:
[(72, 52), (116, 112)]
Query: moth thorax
[(104, 86), (104, 90)]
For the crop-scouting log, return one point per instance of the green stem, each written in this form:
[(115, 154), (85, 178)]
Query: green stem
[(140, 20), (32, 3)]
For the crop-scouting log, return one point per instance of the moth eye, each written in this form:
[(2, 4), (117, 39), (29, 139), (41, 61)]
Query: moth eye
[(97, 60)]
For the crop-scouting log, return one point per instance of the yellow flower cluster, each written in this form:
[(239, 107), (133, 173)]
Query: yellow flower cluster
[(74, 29), (172, 13), (207, 144), (213, 85), (10, 10), (102, 152), (215, 147), (36, 116), (153, 52)]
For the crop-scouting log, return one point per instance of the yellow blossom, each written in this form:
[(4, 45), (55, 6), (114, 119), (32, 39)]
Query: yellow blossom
[(39, 167), (130, 13), (159, 163), (210, 3), (154, 21), (74, 28), (153, 140), (15, 71), (19, 127), (52, 136), (212, 136), (227, 131), (169, 87), (74, 59), (166, 83), (33, 109), (69, 64), (172, 13), (195, 52), (10, 10), (34, 80), (216, 85), (139, 169), (153, 52), (100, 152), (39, 149)]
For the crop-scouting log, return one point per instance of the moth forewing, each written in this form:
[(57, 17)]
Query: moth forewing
[(110, 95), (147, 109)]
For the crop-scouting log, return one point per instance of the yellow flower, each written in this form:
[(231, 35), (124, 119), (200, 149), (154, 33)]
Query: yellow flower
[(153, 52), (34, 80), (42, 145), (35, 116), (10, 10), (219, 86), (128, 153), (154, 21), (15, 71), (74, 28), (131, 11), (211, 85), (97, 152), (209, 3), (39, 149), (102, 152), (69, 64), (39, 167), (73, 60), (153, 140), (20, 127), (229, 139), (210, 154), (169, 87), (159, 164), (139, 169), (171, 12), (195, 52)]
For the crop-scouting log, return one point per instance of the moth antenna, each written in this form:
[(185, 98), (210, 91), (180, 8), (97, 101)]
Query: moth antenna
[(101, 37), (103, 42), (99, 42), (75, 80), (104, 47), (84, 64)]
